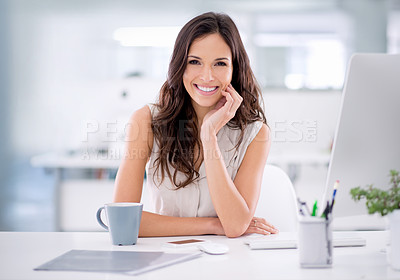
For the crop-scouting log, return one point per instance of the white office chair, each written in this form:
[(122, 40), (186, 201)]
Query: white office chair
[(277, 202)]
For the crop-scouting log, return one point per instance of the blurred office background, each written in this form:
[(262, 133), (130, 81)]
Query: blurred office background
[(73, 71)]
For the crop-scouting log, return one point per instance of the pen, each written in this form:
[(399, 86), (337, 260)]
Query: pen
[(302, 205), (326, 212), (315, 207), (335, 187)]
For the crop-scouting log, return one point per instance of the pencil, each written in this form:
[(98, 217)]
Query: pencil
[(335, 187)]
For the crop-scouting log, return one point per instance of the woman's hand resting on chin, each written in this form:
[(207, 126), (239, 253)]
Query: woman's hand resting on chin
[(223, 112)]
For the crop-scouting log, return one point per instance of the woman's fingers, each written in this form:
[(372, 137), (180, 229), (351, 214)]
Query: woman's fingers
[(267, 228), (260, 225), (220, 103), (233, 101), (266, 223), (224, 110), (260, 231), (229, 100), (235, 96)]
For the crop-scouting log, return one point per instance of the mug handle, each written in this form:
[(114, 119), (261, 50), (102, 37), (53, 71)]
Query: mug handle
[(98, 215)]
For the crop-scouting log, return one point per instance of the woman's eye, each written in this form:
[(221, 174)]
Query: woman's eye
[(194, 62), (221, 63)]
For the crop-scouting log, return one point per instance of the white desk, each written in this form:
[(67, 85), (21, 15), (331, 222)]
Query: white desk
[(20, 252)]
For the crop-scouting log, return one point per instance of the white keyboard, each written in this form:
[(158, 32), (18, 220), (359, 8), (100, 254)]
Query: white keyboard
[(264, 243), (349, 242)]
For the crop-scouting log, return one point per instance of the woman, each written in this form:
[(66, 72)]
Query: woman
[(206, 141)]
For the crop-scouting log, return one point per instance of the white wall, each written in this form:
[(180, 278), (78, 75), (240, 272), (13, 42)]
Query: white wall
[(302, 121), (303, 125), (66, 73)]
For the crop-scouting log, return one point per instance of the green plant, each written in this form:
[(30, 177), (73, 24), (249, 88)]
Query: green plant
[(378, 200)]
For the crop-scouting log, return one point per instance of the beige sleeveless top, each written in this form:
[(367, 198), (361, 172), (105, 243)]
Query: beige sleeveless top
[(194, 200)]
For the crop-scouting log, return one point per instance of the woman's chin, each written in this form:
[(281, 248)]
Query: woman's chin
[(209, 102)]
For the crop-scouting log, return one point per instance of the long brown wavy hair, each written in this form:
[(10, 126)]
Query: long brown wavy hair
[(175, 127)]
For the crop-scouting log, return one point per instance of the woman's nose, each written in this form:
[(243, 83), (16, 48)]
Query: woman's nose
[(206, 74)]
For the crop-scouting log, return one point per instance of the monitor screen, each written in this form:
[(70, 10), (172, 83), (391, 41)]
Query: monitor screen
[(367, 140)]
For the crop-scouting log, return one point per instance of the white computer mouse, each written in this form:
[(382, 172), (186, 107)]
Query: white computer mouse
[(214, 248)]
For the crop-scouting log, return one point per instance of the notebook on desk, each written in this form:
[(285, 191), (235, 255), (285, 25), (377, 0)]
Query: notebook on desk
[(131, 263)]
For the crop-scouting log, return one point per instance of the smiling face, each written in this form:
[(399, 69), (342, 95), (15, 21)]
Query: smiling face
[(208, 71)]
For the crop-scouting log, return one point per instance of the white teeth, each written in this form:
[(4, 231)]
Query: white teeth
[(207, 89)]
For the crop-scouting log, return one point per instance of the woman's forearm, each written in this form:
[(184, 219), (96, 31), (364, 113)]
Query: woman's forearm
[(229, 204), (159, 225)]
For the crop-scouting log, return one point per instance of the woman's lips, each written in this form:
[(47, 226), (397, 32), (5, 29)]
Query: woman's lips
[(206, 90)]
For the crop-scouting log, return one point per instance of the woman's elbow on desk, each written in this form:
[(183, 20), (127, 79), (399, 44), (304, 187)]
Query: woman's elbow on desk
[(234, 233), (235, 230), (256, 225)]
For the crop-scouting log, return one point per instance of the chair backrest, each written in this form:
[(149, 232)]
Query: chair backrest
[(277, 202)]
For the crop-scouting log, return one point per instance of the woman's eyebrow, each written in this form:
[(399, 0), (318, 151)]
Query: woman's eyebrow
[(223, 58), (199, 58)]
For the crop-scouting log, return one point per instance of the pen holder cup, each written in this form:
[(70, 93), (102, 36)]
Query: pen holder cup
[(315, 242)]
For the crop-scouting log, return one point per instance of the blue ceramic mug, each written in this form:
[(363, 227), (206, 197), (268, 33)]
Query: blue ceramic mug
[(123, 221)]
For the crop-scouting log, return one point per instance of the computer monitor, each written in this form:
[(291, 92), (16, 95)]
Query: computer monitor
[(367, 140)]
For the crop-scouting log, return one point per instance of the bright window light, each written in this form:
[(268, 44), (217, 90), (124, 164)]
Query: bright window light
[(325, 64), (294, 81), (161, 36), (313, 60)]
